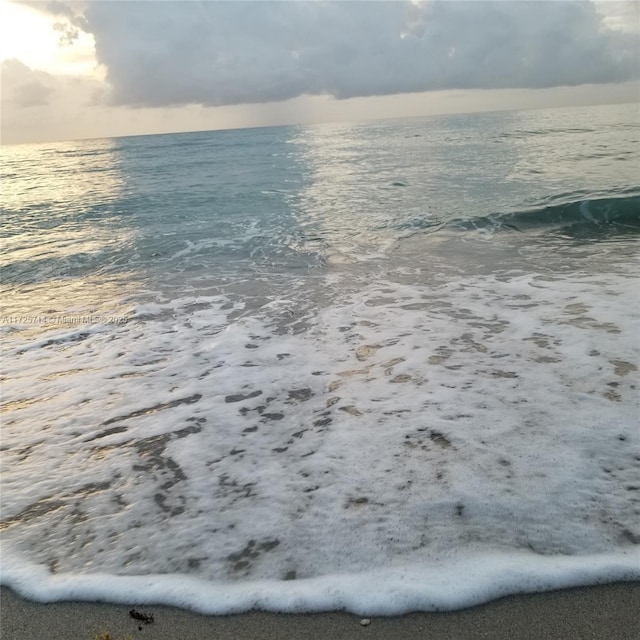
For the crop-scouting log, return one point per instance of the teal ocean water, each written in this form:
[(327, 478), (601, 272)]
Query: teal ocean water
[(379, 366)]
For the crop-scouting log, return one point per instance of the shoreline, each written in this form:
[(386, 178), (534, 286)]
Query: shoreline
[(601, 611)]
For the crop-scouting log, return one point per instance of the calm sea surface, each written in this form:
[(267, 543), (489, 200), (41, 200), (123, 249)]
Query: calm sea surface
[(378, 366)]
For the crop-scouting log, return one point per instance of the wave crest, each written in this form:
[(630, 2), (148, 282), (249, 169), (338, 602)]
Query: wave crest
[(602, 216)]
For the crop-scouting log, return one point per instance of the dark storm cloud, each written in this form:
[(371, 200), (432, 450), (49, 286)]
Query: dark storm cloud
[(220, 53)]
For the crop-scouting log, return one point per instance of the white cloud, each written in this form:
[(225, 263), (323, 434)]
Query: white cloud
[(620, 15), (42, 106), (224, 53), (23, 86)]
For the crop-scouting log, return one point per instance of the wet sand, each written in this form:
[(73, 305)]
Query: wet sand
[(609, 612)]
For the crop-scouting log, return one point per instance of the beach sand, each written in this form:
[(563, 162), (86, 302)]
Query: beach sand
[(610, 612)]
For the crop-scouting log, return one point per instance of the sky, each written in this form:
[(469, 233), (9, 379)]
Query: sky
[(100, 68)]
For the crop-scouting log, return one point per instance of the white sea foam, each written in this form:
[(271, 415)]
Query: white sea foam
[(405, 447), (458, 583)]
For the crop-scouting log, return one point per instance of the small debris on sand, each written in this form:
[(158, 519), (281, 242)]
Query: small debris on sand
[(142, 617)]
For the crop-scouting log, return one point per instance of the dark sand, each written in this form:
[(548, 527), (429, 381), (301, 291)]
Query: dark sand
[(610, 612)]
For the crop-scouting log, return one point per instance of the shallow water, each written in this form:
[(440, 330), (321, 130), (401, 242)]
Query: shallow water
[(378, 366)]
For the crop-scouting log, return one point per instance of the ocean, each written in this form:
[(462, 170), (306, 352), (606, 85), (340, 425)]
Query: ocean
[(380, 366)]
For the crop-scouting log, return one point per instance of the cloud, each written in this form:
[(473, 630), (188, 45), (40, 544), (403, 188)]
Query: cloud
[(32, 94), (23, 86), (224, 53), (36, 105)]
